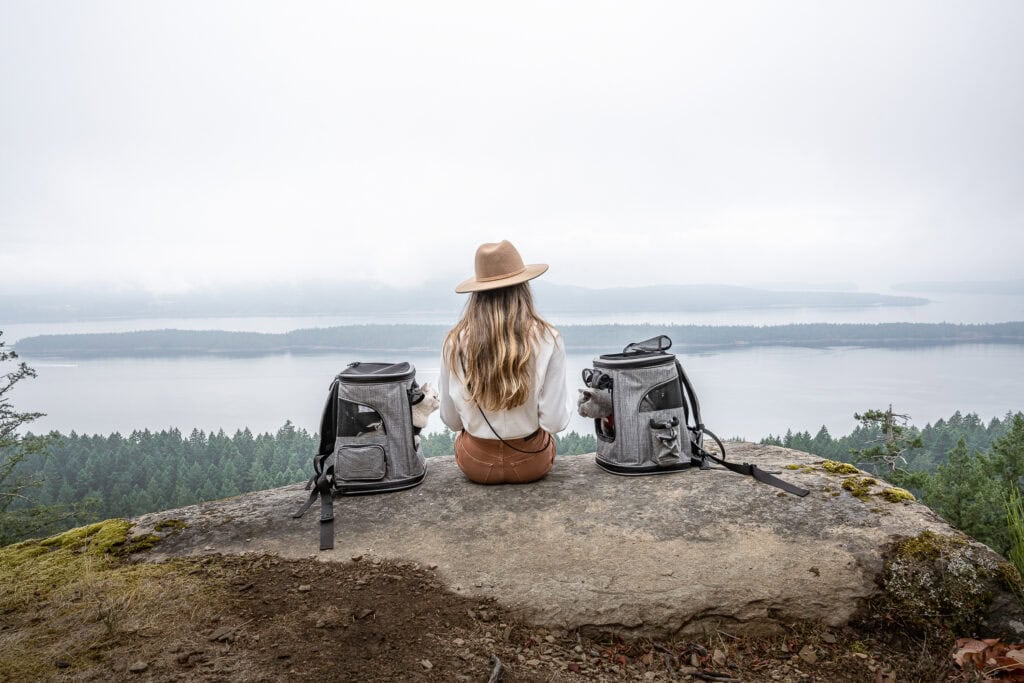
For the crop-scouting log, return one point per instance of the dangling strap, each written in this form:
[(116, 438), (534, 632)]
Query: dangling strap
[(495, 432), (322, 490), (750, 470), (323, 478), (326, 514), (543, 448)]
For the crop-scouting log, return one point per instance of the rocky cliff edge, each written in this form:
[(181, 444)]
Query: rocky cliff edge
[(653, 556)]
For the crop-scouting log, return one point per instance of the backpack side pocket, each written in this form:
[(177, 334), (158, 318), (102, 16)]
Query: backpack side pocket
[(665, 442), (360, 462)]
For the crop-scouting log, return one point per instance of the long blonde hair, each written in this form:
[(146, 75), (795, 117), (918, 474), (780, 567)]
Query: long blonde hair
[(491, 347)]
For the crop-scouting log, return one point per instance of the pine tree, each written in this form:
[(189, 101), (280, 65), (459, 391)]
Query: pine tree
[(896, 438), (966, 494), (21, 514), (1007, 454)]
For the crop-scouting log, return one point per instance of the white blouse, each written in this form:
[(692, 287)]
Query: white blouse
[(545, 407)]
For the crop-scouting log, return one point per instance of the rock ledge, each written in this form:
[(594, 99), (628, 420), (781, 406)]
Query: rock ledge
[(584, 549)]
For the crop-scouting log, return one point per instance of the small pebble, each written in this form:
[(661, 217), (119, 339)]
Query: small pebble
[(138, 667), (426, 664), (305, 588)]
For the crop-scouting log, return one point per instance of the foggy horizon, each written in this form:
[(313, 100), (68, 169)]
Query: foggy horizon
[(221, 145)]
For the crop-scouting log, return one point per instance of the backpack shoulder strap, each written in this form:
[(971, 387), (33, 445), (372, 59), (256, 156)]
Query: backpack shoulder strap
[(323, 477), (750, 470), (690, 398), (703, 456)]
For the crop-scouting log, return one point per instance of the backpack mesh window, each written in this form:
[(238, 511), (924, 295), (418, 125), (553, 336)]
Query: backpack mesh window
[(367, 440)]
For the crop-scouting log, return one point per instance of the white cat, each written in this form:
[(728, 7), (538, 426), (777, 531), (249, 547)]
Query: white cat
[(596, 403), (421, 411)]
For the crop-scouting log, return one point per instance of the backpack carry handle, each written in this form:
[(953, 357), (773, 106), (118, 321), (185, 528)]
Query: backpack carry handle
[(658, 344), (595, 379)]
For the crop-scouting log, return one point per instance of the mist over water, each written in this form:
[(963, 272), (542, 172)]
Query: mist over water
[(960, 308)]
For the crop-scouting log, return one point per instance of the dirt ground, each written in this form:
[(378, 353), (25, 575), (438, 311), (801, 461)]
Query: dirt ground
[(262, 618)]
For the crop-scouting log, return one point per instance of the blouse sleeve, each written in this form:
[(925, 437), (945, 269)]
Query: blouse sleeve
[(553, 404), (449, 413)]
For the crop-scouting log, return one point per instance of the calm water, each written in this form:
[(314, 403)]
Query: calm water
[(747, 393)]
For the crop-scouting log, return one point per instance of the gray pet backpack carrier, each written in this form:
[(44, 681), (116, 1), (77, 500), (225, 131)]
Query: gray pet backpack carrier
[(651, 422), (367, 440)]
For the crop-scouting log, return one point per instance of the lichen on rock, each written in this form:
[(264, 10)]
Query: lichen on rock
[(936, 584)]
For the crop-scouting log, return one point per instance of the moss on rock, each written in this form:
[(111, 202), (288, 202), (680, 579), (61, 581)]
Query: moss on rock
[(935, 584), (859, 487), (836, 467), (894, 494), (170, 525), (1011, 579), (33, 568), (138, 545), (97, 539)]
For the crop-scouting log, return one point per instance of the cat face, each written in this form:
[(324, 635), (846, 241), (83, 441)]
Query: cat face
[(422, 410), (594, 403), (430, 396)]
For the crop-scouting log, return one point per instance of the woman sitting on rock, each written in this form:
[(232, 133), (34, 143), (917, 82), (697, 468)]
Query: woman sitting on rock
[(502, 384)]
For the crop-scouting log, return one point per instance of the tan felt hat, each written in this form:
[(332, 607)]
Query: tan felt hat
[(498, 264)]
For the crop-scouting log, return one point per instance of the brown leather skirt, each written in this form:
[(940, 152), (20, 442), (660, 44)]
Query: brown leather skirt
[(489, 461)]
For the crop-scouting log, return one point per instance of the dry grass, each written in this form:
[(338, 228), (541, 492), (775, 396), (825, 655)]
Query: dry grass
[(71, 598)]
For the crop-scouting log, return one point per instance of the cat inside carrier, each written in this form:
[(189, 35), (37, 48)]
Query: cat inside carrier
[(369, 437), (647, 418)]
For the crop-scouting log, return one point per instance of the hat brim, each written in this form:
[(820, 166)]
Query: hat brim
[(529, 272)]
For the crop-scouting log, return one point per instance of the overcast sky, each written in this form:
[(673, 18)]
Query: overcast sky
[(183, 144)]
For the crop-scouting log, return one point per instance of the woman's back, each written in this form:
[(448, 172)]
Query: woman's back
[(503, 372)]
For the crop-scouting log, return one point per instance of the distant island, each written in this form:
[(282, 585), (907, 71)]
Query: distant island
[(579, 338), (964, 287), (367, 299)]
